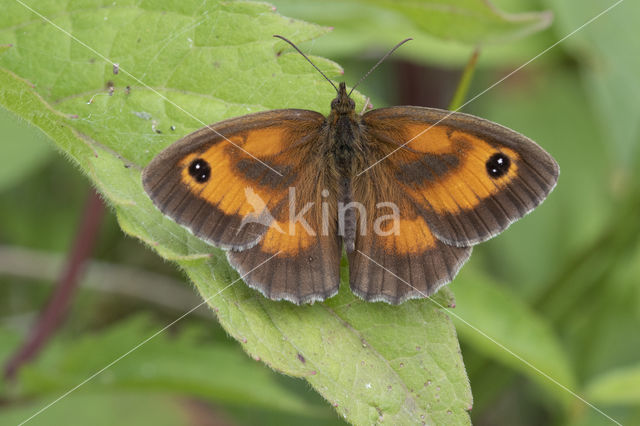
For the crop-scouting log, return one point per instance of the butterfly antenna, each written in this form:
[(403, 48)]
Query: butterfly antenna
[(379, 62), (305, 56)]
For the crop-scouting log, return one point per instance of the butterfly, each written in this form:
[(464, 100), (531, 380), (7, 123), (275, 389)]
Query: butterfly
[(406, 191)]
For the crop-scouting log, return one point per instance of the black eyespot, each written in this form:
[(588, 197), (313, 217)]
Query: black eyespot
[(200, 170), (498, 165)]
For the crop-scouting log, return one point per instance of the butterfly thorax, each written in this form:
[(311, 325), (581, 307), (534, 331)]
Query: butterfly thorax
[(343, 122)]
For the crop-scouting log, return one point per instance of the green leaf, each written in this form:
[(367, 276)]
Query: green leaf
[(102, 409), (617, 387), (610, 69), (468, 21), (444, 31), (217, 60), (532, 254), (369, 360), (509, 322), (186, 364), (25, 147)]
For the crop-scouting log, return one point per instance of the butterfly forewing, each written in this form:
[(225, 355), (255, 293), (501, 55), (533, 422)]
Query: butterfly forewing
[(213, 179), (471, 177), (231, 184)]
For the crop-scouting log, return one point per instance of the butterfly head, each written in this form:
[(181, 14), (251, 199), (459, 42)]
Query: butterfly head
[(342, 104)]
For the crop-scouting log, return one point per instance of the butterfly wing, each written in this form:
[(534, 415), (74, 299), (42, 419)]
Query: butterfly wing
[(229, 184), (472, 177), (296, 268), (395, 265), (459, 181)]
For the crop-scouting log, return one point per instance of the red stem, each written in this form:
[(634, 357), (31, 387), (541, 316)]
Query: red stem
[(58, 306), (423, 85)]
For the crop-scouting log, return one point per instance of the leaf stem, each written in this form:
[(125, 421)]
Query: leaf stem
[(58, 305), (465, 80)]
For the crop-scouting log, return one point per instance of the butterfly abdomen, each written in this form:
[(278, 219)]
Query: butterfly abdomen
[(343, 153)]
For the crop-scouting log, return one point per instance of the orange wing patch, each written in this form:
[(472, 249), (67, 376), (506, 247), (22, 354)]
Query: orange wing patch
[(435, 140), (229, 190), (469, 183), (287, 238), (262, 142), (410, 236), (226, 188)]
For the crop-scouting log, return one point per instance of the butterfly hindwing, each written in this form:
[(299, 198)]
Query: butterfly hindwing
[(298, 257), (297, 268), (396, 256)]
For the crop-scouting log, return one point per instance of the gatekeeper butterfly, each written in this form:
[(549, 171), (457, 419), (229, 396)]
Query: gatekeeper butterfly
[(406, 190)]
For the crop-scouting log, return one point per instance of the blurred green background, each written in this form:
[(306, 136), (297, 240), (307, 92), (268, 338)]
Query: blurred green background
[(573, 265)]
